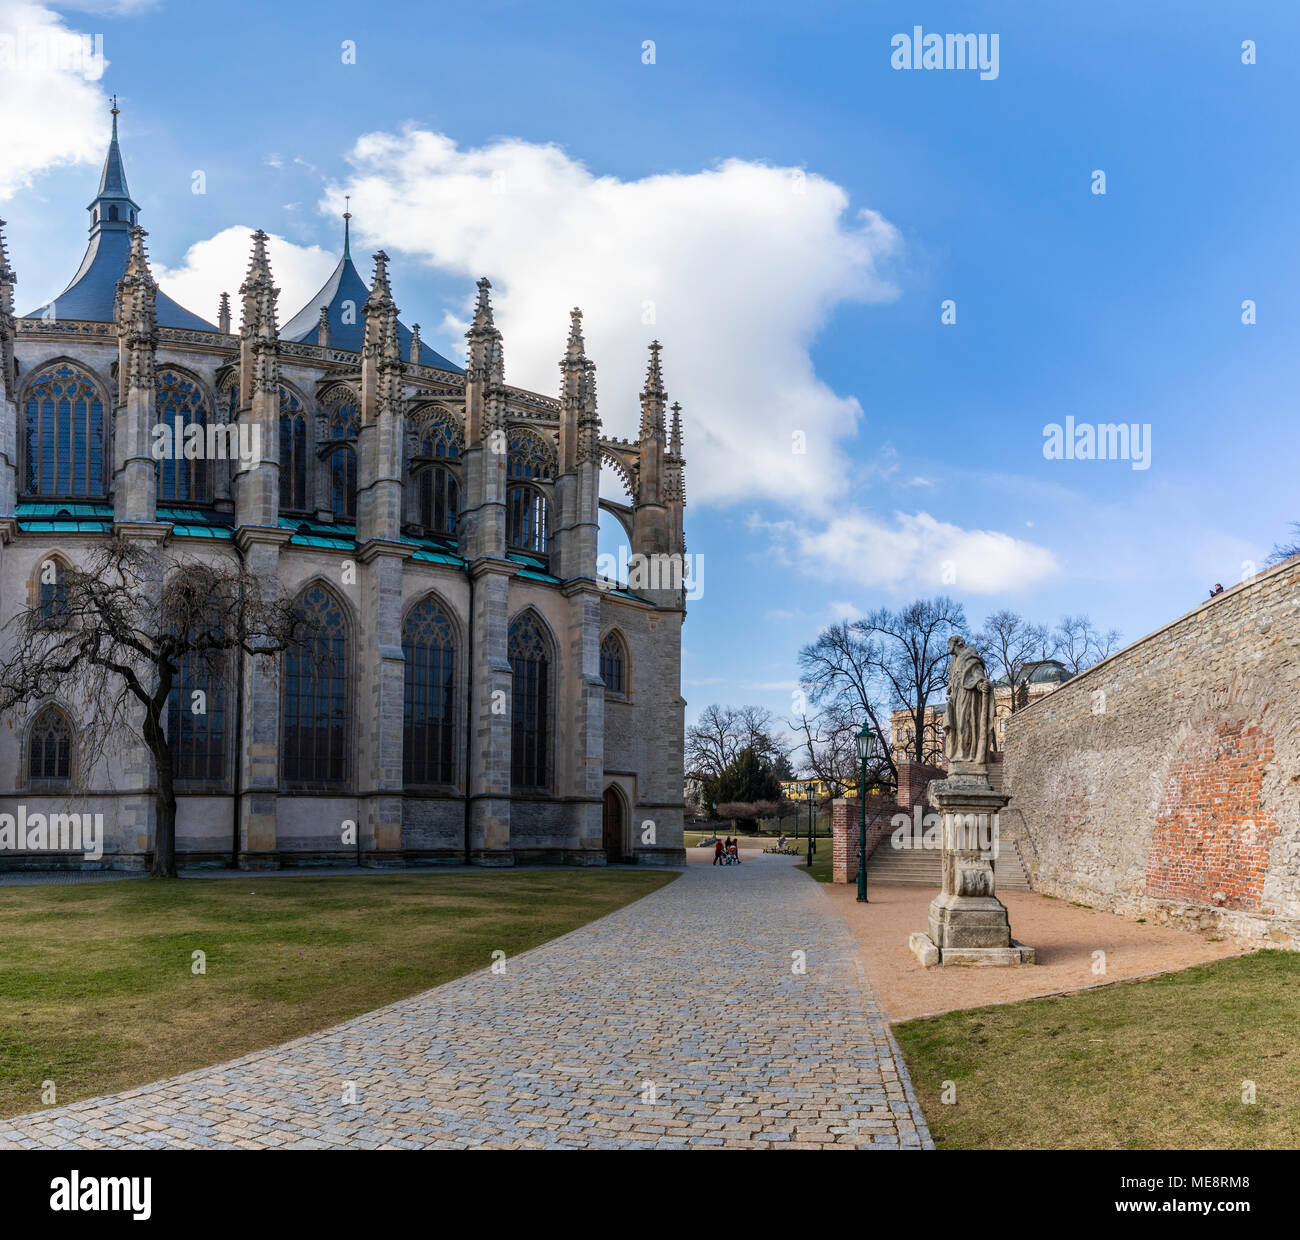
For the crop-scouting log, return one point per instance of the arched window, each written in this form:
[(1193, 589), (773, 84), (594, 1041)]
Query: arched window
[(344, 427), (49, 748), (316, 702), (428, 722), (196, 723), (527, 519), (293, 453), (530, 734), (438, 486), (528, 457), (52, 593), (613, 663), (183, 474), (64, 434)]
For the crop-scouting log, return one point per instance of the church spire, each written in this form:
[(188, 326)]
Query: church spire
[(347, 227), (113, 207)]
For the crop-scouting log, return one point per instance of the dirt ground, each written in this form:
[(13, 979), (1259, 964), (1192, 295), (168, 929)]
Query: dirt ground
[(1064, 938)]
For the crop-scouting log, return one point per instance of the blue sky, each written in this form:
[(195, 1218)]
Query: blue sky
[(1124, 307)]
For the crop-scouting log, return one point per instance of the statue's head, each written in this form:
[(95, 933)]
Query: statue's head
[(955, 643)]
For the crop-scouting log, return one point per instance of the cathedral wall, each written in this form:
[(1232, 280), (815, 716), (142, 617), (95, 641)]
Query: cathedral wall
[(639, 757)]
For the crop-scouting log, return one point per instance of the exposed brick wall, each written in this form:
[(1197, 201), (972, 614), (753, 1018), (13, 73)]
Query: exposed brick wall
[(1213, 835), (913, 780), (1165, 782)]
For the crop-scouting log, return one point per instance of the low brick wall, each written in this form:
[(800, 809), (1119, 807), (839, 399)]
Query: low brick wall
[(1164, 783), (913, 780)]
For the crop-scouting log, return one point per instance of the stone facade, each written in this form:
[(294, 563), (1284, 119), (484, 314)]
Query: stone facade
[(614, 742), (1164, 783)]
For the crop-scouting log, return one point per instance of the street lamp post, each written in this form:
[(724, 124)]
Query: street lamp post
[(866, 741), (808, 788)]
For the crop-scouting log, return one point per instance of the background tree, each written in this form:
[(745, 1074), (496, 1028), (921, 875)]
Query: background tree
[(828, 750), (1284, 551), (716, 738), (115, 643), (1008, 642), (1077, 643), (887, 660)]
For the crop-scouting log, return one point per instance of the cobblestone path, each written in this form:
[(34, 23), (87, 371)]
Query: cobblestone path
[(679, 1021)]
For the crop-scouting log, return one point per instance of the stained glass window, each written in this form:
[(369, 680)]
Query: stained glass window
[(179, 478), (196, 723), (49, 751), (64, 434), (612, 661), (293, 453), (438, 487), (527, 516), (316, 699), (530, 662), (428, 738)]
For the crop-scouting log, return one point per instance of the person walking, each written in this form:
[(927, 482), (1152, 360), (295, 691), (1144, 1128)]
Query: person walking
[(717, 852)]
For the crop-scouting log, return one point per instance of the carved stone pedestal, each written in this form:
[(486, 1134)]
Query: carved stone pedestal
[(968, 923)]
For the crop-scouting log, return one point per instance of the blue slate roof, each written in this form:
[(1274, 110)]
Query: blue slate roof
[(112, 216), (347, 322)]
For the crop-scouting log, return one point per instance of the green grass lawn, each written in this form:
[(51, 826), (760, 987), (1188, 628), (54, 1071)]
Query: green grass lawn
[(97, 992), (1140, 1065)]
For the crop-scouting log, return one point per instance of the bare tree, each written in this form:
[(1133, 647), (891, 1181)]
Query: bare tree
[(722, 733), (1284, 551), (114, 636), (1008, 643), (1078, 644), (885, 660), (829, 741)]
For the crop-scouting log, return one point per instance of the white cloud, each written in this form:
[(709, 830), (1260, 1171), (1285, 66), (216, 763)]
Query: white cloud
[(741, 265), (219, 264), (915, 552), (845, 611), (55, 108)]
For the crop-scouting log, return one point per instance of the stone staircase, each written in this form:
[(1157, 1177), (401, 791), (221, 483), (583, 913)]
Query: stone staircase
[(920, 867)]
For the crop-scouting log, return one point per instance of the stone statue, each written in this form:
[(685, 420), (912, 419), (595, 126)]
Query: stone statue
[(968, 726)]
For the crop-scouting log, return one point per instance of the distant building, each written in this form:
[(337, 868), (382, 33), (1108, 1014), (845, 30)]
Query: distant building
[(797, 789), (1036, 680), (693, 792)]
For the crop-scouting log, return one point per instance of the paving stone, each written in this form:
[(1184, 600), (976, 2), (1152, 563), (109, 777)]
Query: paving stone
[(688, 993)]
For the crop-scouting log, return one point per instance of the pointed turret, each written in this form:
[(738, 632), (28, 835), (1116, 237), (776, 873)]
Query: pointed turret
[(344, 296), (650, 526), (675, 435), (573, 376), (323, 328), (257, 484), (379, 443), (259, 357), (113, 214), (414, 355), (137, 323), (486, 352), (223, 315), (381, 358), (8, 328), (134, 469)]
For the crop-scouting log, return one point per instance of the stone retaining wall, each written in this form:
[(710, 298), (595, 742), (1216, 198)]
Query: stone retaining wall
[(1164, 783)]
